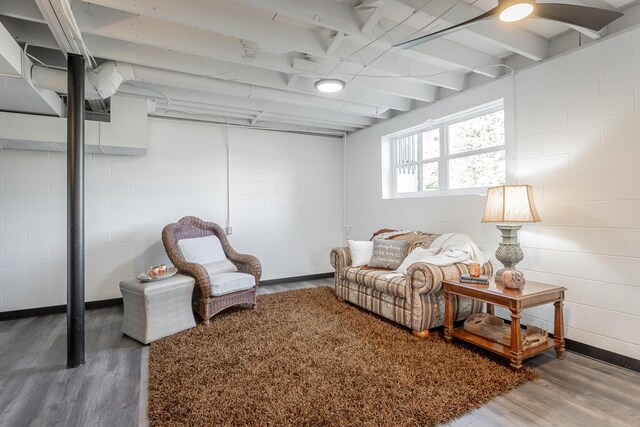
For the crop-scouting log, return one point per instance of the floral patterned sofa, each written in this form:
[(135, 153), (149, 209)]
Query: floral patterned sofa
[(414, 300)]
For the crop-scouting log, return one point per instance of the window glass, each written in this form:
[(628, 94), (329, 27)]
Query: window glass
[(407, 179), (430, 176), (431, 144), (477, 133), (481, 170)]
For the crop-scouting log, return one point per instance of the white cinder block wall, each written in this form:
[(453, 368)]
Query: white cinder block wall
[(286, 207), (578, 144)]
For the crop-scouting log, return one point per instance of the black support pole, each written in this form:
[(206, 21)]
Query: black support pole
[(75, 211)]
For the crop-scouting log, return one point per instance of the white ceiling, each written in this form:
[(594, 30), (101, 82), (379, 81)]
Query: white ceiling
[(286, 45)]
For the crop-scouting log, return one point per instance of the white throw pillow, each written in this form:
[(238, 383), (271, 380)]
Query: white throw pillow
[(361, 252), (202, 250), (416, 255)]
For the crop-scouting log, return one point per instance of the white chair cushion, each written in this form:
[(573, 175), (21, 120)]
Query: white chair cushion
[(220, 267), (202, 250), (225, 283)]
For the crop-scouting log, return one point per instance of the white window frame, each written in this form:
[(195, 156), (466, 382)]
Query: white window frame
[(443, 160)]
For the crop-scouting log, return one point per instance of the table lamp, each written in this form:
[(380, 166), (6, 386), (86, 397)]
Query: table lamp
[(509, 206)]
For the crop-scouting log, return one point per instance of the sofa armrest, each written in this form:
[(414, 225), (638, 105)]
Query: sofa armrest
[(427, 278), (340, 258)]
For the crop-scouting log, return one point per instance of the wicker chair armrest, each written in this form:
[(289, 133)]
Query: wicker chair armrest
[(340, 258), (246, 264), (199, 273), (427, 278)]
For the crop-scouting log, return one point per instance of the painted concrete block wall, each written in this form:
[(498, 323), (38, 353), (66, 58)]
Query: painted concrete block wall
[(286, 207), (578, 143)]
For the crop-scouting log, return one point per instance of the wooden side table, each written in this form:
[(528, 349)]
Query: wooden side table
[(531, 295)]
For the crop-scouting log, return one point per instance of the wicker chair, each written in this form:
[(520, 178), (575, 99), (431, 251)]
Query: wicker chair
[(206, 305)]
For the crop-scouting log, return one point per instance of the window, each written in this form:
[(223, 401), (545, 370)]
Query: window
[(461, 152)]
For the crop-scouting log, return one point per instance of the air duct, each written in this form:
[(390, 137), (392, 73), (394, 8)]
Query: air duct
[(105, 80), (101, 83)]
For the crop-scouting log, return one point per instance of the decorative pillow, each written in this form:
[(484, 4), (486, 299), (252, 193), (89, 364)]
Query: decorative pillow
[(388, 253), (361, 252), (410, 237), (423, 241), (416, 255), (202, 250), (216, 267)]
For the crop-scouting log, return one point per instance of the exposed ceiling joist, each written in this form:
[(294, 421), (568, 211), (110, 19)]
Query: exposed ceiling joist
[(214, 18), (510, 37), (165, 93), (152, 35), (37, 34), (375, 7)]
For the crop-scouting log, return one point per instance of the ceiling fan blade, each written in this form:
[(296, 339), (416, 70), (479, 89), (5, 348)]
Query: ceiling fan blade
[(411, 43), (587, 17)]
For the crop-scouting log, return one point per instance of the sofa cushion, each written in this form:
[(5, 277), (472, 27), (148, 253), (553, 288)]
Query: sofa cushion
[(225, 283), (202, 250), (386, 281)]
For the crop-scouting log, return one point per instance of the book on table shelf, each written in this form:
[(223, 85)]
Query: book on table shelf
[(480, 280)]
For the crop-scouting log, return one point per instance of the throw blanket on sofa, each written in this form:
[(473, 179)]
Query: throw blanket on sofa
[(456, 247)]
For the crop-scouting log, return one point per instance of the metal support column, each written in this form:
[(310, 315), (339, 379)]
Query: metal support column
[(75, 210)]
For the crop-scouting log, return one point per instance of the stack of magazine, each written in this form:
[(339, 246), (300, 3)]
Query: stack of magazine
[(477, 280)]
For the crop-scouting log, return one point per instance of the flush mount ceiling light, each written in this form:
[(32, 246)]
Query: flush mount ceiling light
[(516, 10), (329, 85)]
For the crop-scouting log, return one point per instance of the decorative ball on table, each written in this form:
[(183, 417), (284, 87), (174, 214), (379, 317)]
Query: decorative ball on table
[(513, 279)]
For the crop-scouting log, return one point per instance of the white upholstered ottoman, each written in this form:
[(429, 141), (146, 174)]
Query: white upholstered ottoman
[(156, 310)]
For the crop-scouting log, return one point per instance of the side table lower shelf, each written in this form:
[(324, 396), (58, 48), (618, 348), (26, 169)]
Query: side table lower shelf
[(499, 348)]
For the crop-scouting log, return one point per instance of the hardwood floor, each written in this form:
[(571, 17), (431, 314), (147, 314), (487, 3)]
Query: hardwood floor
[(110, 390)]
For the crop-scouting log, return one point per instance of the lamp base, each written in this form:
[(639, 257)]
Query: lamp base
[(509, 252)]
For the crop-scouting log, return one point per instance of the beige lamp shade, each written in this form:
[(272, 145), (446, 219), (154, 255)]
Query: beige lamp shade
[(510, 203)]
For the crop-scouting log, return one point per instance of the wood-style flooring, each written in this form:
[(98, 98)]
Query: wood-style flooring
[(36, 388)]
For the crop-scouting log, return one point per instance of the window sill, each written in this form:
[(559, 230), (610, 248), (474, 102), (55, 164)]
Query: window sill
[(479, 191)]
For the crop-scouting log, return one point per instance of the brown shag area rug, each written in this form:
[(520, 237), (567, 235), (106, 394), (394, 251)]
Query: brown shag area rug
[(304, 358)]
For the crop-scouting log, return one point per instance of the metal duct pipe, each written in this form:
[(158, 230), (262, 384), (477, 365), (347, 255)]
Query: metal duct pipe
[(100, 83), (105, 80)]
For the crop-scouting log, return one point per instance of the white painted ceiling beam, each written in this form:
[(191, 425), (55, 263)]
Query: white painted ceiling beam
[(375, 8), (508, 36), (445, 53), (272, 36), (222, 101), (253, 118), (150, 32), (340, 17), (196, 42), (177, 115), (37, 34), (410, 88)]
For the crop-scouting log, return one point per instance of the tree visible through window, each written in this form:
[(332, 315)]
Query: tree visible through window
[(465, 152)]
